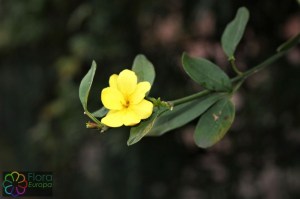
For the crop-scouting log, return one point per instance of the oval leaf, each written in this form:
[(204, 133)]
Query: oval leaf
[(234, 31), (144, 69), (183, 114), (85, 85), (214, 124), (206, 73), (143, 128)]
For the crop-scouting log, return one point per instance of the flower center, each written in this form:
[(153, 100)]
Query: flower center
[(126, 104)]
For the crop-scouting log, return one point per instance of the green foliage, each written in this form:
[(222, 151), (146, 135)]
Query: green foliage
[(214, 123), (85, 85), (144, 69), (212, 105), (183, 114), (142, 129), (207, 74), (234, 32)]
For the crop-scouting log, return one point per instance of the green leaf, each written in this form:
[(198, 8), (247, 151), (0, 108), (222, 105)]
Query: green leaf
[(234, 31), (143, 128), (289, 44), (85, 85), (214, 123), (100, 113), (183, 114), (144, 69), (206, 73)]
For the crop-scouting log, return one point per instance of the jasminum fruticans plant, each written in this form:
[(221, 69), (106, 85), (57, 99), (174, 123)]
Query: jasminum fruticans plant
[(125, 101)]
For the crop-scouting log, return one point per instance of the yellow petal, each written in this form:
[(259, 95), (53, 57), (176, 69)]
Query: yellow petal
[(140, 92), (144, 109), (131, 118), (113, 81), (112, 99), (127, 82), (113, 118)]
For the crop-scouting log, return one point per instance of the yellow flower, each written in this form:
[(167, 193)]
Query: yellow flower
[(125, 100)]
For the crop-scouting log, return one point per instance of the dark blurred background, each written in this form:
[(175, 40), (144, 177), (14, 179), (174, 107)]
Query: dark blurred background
[(47, 46)]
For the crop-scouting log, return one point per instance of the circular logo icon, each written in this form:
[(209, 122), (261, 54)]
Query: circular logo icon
[(14, 184)]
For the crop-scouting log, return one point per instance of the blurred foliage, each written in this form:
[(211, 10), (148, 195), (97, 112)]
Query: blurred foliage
[(46, 47)]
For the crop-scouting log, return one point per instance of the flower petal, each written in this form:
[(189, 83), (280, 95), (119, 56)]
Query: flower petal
[(113, 118), (112, 98), (131, 118), (144, 109), (127, 82), (140, 92), (113, 81)]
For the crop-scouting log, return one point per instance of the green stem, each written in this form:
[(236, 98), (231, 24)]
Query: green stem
[(238, 85), (234, 67), (258, 67), (189, 98), (93, 118)]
